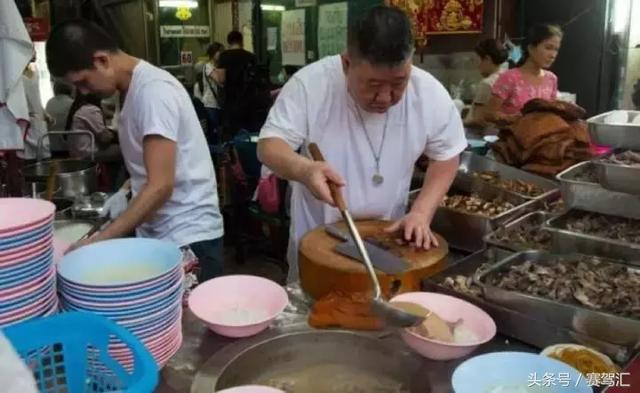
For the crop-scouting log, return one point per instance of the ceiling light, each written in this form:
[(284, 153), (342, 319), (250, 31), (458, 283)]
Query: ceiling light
[(272, 7), (179, 3)]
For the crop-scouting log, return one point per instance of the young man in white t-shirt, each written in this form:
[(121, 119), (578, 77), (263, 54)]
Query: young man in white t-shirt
[(373, 115), (171, 172)]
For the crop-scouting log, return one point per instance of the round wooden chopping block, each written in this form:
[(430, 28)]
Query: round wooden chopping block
[(323, 270)]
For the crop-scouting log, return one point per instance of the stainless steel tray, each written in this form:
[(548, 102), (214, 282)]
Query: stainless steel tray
[(466, 231), (592, 197), (515, 323), (538, 218), (567, 241), (602, 326), (618, 177), (622, 136), (470, 163)]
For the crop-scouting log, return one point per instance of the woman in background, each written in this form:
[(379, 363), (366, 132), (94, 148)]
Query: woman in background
[(86, 115), (490, 56), (210, 91), (532, 78)]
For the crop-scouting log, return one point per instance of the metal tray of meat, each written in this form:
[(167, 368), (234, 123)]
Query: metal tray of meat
[(600, 325), (510, 322), (580, 190), (466, 231), (618, 135), (565, 240), (618, 177), (534, 220), (472, 163)]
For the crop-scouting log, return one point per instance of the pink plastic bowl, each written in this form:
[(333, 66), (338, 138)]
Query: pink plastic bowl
[(450, 309), (251, 389), (251, 293)]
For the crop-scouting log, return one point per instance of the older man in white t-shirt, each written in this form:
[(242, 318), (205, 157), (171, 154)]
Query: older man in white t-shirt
[(172, 176), (372, 114)]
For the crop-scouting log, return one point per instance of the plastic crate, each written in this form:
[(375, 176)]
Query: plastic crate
[(69, 353)]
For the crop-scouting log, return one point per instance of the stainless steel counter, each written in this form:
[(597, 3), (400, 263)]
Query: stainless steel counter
[(194, 362)]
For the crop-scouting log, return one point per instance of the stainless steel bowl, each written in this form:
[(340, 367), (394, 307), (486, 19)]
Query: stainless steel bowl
[(75, 177)]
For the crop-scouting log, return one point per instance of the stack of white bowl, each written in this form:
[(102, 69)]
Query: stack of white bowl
[(137, 283), (27, 274)]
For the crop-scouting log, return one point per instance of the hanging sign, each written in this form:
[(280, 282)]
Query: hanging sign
[(173, 31), (292, 40), (332, 29)]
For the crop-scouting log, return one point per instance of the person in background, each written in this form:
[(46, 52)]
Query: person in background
[(86, 115), (246, 101), (285, 74), (532, 78), (490, 57), (58, 106), (372, 114), (210, 91), (173, 182), (38, 117)]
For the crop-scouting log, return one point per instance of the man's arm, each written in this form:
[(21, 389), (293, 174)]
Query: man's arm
[(437, 181), (276, 154), (160, 163)]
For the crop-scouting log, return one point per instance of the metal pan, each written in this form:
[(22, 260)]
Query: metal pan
[(587, 195), (514, 323), (470, 163), (620, 136), (466, 231), (618, 177), (567, 241), (600, 325), (537, 218)]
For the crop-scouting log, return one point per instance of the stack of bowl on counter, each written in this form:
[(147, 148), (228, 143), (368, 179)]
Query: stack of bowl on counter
[(138, 283), (27, 273)]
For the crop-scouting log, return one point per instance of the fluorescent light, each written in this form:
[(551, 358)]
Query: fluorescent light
[(179, 3), (272, 7)]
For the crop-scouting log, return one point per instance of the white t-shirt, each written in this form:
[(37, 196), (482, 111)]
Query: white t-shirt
[(157, 104), (315, 106)]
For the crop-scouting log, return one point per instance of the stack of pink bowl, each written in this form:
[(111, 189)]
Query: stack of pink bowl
[(135, 282), (27, 274)]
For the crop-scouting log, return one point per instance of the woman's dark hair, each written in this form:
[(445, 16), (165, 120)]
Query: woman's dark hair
[(79, 102), (536, 35), (291, 69), (214, 48), (493, 49)]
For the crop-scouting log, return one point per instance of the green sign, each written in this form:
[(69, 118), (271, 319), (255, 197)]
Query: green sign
[(332, 29)]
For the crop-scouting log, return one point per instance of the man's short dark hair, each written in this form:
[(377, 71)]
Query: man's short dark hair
[(381, 36), (72, 44), (235, 37)]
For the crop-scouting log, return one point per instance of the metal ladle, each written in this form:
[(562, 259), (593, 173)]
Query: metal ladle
[(391, 315)]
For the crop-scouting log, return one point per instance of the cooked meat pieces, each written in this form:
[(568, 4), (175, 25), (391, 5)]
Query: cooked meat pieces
[(475, 205), (591, 282), (518, 186), (465, 284), (628, 157), (527, 235), (587, 173), (555, 207), (609, 227)]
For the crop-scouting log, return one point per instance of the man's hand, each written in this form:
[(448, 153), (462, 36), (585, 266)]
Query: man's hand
[(80, 243), (415, 229), (316, 177)]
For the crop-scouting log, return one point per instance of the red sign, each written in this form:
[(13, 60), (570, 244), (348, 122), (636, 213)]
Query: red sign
[(38, 28)]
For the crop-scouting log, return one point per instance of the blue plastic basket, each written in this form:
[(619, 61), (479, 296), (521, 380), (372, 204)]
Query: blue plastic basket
[(68, 352)]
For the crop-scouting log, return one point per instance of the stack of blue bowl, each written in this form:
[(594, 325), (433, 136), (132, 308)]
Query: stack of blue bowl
[(138, 283)]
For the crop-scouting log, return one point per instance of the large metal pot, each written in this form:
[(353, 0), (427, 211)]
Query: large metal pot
[(75, 177)]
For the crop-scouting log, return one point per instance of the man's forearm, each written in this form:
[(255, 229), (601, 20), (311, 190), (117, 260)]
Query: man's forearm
[(437, 181), (141, 208), (281, 159)]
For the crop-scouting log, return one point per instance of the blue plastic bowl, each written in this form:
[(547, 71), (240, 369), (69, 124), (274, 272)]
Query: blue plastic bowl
[(514, 371), (134, 260)]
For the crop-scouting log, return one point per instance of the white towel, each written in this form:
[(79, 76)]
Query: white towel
[(16, 51)]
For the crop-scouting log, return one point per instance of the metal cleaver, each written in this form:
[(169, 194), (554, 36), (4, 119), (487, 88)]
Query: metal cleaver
[(381, 259)]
